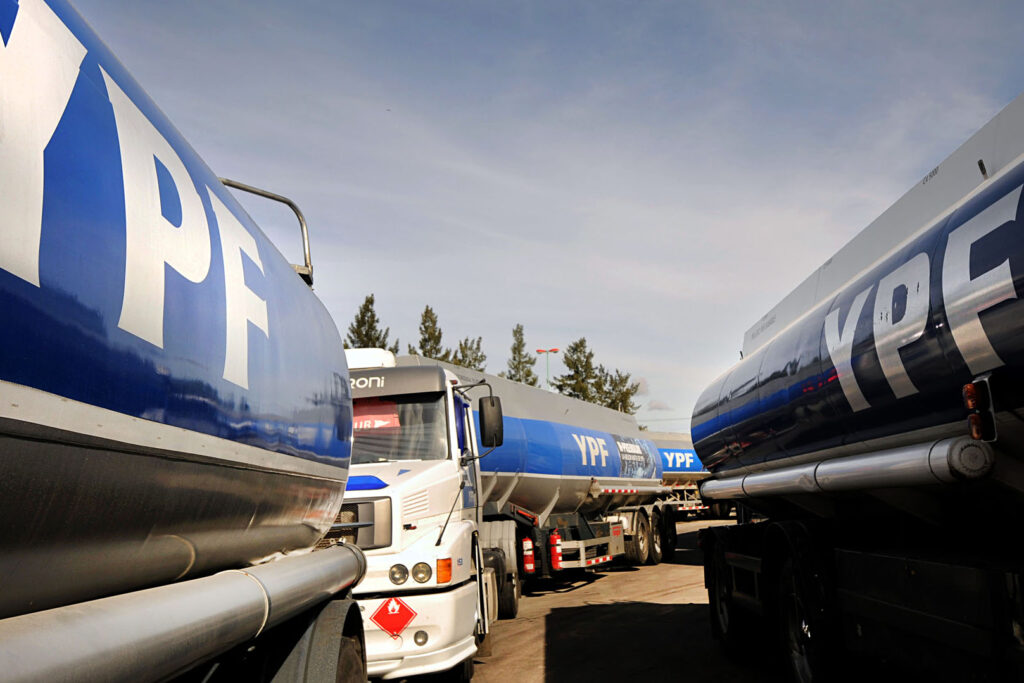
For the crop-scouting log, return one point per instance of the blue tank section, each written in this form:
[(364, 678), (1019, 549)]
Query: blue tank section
[(550, 448), (680, 461), (169, 375), (889, 354)]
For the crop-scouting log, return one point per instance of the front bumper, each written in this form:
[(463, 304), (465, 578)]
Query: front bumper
[(449, 620)]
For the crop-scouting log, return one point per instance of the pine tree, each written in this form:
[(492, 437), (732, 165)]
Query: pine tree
[(430, 338), (365, 332), (520, 363), (582, 379), (616, 391), (470, 355)]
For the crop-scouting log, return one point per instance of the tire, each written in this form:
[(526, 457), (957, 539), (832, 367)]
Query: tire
[(804, 637), (728, 624), (508, 598), (669, 537), (460, 673), (720, 510), (351, 660), (639, 546), (657, 536)]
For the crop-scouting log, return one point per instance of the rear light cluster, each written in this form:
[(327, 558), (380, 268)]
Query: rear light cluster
[(421, 572), (981, 421)]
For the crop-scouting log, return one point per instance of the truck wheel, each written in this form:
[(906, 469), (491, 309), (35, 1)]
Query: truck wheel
[(669, 537), (508, 599), (460, 673), (351, 665), (805, 643), (720, 510), (727, 623), (639, 546), (657, 536)]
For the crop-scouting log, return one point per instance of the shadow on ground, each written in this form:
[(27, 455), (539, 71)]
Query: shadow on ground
[(687, 551), (639, 641), (566, 582)]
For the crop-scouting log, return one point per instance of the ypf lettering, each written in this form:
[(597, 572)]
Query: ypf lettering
[(965, 296), (38, 70), (151, 240), (592, 446), (242, 306), (840, 349), (891, 335)]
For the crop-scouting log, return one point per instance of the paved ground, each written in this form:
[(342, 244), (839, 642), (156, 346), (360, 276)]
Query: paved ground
[(624, 623)]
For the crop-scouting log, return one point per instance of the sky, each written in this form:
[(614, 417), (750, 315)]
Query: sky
[(653, 176)]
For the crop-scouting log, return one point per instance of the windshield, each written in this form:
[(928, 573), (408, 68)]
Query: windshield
[(411, 427)]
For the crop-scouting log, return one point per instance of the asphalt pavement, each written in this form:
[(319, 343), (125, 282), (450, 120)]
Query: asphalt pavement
[(622, 623)]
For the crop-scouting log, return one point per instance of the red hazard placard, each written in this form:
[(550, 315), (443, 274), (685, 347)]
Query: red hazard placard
[(393, 616)]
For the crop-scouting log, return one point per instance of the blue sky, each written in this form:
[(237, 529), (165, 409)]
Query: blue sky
[(653, 176)]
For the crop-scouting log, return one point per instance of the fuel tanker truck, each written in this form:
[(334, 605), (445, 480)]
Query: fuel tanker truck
[(175, 422), (456, 507), (875, 426), (682, 471)]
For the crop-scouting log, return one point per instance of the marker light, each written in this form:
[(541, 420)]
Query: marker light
[(398, 574), (976, 426), (421, 572), (444, 570), (971, 396)]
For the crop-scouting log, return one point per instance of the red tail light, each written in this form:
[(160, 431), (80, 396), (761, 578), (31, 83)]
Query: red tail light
[(971, 396), (556, 549), (528, 565)]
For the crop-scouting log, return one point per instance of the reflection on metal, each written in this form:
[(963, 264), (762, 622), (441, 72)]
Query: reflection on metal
[(154, 633), (945, 461), (306, 271)]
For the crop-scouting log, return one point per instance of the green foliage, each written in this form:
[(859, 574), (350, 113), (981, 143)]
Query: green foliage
[(596, 385), (581, 379), (430, 338), (616, 391), (470, 355), (365, 332), (520, 363)]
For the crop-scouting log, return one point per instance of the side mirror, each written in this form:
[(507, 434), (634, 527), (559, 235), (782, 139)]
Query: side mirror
[(492, 429)]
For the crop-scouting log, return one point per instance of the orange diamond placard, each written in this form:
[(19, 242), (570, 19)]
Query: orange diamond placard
[(393, 616)]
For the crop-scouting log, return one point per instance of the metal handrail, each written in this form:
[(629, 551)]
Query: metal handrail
[(306, 271)]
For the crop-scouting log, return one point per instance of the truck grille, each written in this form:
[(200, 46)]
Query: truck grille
[(366, 523)]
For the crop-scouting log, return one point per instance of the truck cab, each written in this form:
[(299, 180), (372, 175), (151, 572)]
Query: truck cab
[(412, 505)]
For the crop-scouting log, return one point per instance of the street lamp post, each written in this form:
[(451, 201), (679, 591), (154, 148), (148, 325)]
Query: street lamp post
[(547, 364)]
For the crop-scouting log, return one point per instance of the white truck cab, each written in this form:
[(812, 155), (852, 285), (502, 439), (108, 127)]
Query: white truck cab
[(412, 506)]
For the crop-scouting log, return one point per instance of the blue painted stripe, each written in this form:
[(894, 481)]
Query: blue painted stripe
[(365, 482)]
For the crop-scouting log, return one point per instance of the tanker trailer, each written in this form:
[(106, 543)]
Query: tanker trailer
[(682, 471), (573, 485), (176, 420), (874, 423)]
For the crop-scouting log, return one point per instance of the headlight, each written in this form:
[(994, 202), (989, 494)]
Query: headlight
[(398, 574), (421, 572)]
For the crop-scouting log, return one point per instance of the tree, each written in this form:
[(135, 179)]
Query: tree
[(520, 363), (470, 355), (365, 332), (596, 385), (581, 380), (616, 391), (430, 338)]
